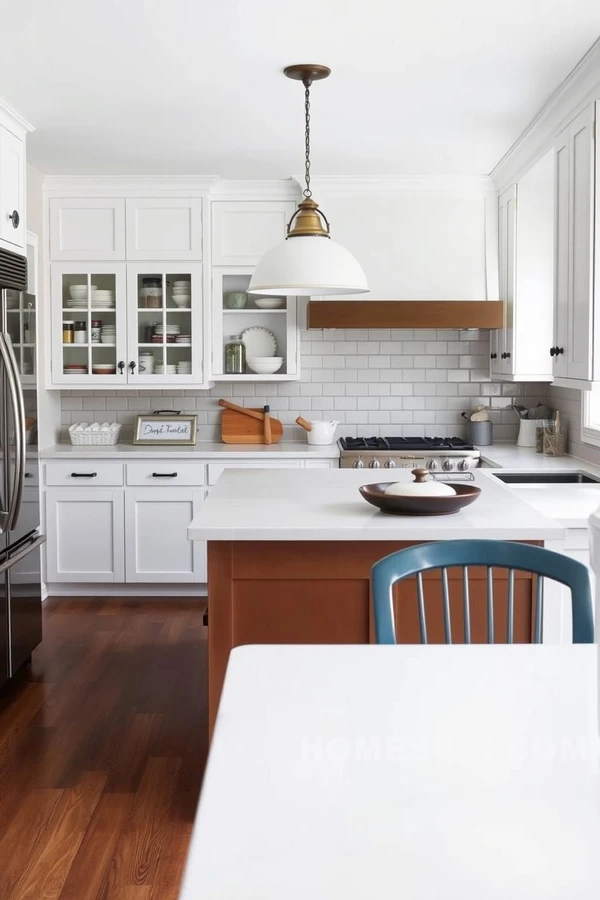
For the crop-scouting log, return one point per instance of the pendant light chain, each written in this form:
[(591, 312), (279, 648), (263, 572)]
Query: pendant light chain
[(307, 191)]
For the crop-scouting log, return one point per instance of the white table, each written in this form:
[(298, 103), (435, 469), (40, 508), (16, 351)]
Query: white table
[(436, 772)]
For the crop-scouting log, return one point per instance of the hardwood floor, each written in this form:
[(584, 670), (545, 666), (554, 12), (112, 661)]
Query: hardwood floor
[(102, 750)]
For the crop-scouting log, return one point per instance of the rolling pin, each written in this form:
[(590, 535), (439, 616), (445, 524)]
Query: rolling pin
[(303, 423), (267, 426), (241, 409)]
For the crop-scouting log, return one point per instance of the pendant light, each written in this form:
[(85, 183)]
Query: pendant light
[(308, 263)]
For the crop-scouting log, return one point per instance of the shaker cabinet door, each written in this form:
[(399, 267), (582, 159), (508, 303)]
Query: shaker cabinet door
[(157, 546), (85, 532), (87, 229), (12, 191), (242, 232), (164, 228)]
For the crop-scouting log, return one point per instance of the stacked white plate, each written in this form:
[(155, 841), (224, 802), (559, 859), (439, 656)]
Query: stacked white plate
[(184, 368), (183, 339), (165, 370), (76, 304), (108, 334), (103, 299)]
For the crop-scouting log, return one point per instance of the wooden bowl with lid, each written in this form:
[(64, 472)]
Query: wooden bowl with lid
[(418, 498)]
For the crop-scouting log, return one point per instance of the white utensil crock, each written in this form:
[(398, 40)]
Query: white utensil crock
[(322, 433), (527, 434)]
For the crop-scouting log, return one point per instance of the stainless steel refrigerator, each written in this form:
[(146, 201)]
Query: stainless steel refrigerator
[(20, 537)]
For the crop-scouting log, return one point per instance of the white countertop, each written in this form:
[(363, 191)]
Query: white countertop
[(202, 450), (517, 459), (454, 773), (324, 505)]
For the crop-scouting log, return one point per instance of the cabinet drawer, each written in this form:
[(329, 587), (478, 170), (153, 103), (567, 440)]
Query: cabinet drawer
[(170, 473), (84, 473), (215, 469)]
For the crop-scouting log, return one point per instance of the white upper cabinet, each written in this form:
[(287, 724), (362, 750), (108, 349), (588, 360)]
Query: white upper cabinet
[(574, 233), (12, 191), (243, 231), (164, 228), (87, 229)]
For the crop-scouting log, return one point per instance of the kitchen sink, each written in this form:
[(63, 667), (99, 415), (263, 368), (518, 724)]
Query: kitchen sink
[(546, 478)]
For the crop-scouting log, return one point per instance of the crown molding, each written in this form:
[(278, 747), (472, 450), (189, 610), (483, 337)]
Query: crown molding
[(276, 189), (8, 112), (110, 185), (578, 89), (461, 185)]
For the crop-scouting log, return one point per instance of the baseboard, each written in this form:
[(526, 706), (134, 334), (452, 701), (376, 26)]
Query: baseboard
[(87, 589)]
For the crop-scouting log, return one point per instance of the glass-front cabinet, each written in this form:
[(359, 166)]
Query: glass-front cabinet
[(265, 326), (127, 324), (165, 333)]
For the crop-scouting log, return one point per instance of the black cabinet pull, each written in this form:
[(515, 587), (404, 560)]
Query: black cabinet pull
[(559, 350), (121, 366), (493, 356), (164, 474), (83, 474), (28, 475), (507, 356), (15, 218), (132, 366)]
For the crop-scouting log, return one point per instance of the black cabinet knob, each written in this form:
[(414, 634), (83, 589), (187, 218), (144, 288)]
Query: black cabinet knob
[(559, 350), (552, 351), (15, 218), (507, 356), (121, 366), (132, 367), (493, 356)]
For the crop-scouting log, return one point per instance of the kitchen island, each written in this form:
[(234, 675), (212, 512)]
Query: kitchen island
[(290, 555)]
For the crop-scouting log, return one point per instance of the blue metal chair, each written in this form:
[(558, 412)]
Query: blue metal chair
[(445, 555)]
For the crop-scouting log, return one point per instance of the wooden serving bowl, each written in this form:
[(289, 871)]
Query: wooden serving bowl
[(412, 505)]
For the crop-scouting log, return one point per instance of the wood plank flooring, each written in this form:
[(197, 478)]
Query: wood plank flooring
[(102, 749)]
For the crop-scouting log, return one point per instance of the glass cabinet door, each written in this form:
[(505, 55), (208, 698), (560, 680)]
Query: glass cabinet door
[(165, 323), (21, 323), (89, 323)]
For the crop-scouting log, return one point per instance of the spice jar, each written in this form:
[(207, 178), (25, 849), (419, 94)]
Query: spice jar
[(235, 356), (80, 333), (68, 332), (96, 332)]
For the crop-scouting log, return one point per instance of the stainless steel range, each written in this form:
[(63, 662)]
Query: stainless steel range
[(438, 454)]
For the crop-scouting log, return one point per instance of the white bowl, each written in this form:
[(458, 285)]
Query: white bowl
[(79, 291), (264, 365), (181, 300), (269, 302)]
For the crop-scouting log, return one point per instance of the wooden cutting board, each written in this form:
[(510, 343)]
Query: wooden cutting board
[(237, 428)]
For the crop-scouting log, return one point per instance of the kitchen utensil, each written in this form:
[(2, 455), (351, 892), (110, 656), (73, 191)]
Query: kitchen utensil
[(259, 342), (267, 426), (480, 414), (520, 411), (266, 365), (480, 433), (235, 299), (241, 425), (303, 423), (414, 505), (269, 302), (322, 433)]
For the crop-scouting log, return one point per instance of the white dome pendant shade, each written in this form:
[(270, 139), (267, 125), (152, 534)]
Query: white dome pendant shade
[(308, 266), (308, 263)]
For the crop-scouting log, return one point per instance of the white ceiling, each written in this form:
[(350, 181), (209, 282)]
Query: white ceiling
[(194, 87)]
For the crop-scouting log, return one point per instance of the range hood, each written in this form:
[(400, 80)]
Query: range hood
[(405, 314)]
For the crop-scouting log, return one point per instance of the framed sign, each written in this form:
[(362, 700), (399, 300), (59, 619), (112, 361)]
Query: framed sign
[(166, 427)]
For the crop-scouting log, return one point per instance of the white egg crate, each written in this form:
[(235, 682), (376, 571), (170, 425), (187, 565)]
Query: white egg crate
[(90, 434)]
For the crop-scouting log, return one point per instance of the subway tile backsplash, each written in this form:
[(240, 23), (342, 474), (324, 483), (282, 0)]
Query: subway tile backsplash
[(375, 382)]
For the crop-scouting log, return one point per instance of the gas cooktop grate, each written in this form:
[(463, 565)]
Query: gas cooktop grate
[(408, 444)]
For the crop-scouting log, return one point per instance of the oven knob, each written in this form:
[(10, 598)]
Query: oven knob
[(447, 465), (374, 464), (390, 464), (358, 463), (432, 465), (463, 465)]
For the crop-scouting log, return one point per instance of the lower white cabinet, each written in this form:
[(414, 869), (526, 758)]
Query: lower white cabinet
[(85, 535), (156, 544)]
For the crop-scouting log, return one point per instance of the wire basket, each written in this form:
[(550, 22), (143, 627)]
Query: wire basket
[(107, 438)]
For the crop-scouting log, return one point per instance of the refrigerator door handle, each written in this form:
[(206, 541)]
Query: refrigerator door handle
[(36, 541), (16, 395)]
